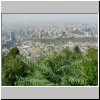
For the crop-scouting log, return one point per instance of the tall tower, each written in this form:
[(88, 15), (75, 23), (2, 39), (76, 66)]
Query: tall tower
[(12, 37)]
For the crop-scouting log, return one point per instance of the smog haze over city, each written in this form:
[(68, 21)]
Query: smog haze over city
[(49, 18), (47, 44)]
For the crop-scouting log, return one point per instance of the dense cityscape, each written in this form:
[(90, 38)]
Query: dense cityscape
[(29, 38)]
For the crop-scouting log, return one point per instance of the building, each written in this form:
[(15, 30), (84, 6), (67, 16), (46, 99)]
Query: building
[(10, 41)]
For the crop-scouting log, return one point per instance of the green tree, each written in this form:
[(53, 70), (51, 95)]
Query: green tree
[(14, 51), (13, 67), (77, 49)]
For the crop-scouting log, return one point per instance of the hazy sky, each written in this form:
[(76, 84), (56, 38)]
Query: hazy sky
[(48, 18)]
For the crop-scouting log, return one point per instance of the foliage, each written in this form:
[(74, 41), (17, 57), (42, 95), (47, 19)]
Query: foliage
[(12, 68), (64, 67), (14, 51)]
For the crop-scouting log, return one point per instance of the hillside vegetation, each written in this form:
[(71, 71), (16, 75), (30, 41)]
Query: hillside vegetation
[(64, 67)]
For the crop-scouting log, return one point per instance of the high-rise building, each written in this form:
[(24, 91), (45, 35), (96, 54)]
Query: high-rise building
[(10, 41), (12, 37)]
